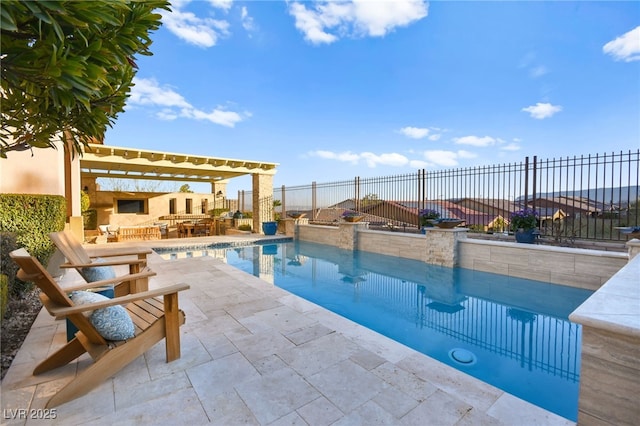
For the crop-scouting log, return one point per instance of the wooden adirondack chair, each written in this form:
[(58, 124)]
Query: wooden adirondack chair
[(153, 319), (78, 258)]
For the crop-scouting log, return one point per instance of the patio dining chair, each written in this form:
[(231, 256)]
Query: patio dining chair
[(95, 267), (108, 232), (115, 332)]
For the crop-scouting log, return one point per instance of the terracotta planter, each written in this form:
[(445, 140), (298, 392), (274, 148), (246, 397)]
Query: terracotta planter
[(353, 218), (447, 223)]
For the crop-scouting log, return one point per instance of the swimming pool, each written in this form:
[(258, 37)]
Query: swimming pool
[(509, 332)]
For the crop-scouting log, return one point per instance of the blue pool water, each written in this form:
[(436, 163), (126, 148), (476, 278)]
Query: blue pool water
[(509, 332)]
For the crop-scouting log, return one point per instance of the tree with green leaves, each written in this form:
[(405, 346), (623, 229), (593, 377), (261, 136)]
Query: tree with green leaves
[(369, 199), (67, 68)]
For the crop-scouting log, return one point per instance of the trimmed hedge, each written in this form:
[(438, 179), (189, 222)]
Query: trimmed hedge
[(90, 219), (4, 294), (9, 267), (31, 218)]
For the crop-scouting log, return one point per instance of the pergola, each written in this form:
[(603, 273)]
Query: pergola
[(131, 163)]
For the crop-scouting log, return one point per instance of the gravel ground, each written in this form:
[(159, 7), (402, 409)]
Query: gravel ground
[(16, 324)]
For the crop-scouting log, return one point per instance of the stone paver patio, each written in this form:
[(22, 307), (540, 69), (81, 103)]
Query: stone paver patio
[(255, 354)]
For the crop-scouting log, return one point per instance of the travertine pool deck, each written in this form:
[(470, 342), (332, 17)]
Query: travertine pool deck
[(255, 354)]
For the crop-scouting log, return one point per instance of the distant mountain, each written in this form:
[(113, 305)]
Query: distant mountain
[(620, 196)]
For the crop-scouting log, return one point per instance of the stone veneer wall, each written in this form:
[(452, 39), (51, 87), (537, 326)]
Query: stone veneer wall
[(437, 248), (582, 268), (442, 246), (409, 246), (318, 234), (348, 234), (289, 225)]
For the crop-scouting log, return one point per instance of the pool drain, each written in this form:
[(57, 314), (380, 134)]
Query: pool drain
[(462, 356)]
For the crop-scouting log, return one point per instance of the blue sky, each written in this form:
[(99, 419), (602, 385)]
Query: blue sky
[(334, 90)]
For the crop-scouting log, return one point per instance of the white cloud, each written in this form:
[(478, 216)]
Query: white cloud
[(444, 158), (221, 4), (394, 159), (475, 141), (466, 154), (310, 25), (348, 156), (202, 32), (414, 132), (626, 47), (167, 115), (378, 18), (535, 70), (540, 110), (418, 164), (325, 22), (247, 21), (510, 147), (148, 92), (538, 71), (431, 133), (370, 159), (218, 116), (390, 159)]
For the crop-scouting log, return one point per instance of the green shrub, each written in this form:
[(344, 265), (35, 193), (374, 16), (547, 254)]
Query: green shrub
[(9, 267), (85, 201), (244, 227), (4, 294), (90, 219), (217, 212), (26, 220), (476, 228)]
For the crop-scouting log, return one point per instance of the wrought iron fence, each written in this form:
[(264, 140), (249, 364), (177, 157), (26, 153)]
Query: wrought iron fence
[(581, 197)]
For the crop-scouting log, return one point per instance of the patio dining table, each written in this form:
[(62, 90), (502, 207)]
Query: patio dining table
[(195, 229)]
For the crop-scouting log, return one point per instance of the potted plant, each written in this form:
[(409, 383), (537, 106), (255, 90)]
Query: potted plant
[(426, 216), (352, 216), (270, 227), (523, 223)]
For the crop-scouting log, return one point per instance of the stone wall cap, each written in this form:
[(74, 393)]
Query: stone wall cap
[(614, 307), (544, 248)]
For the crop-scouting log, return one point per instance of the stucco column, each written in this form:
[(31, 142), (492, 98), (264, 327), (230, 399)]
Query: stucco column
[(72, 190), (262, 200)]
